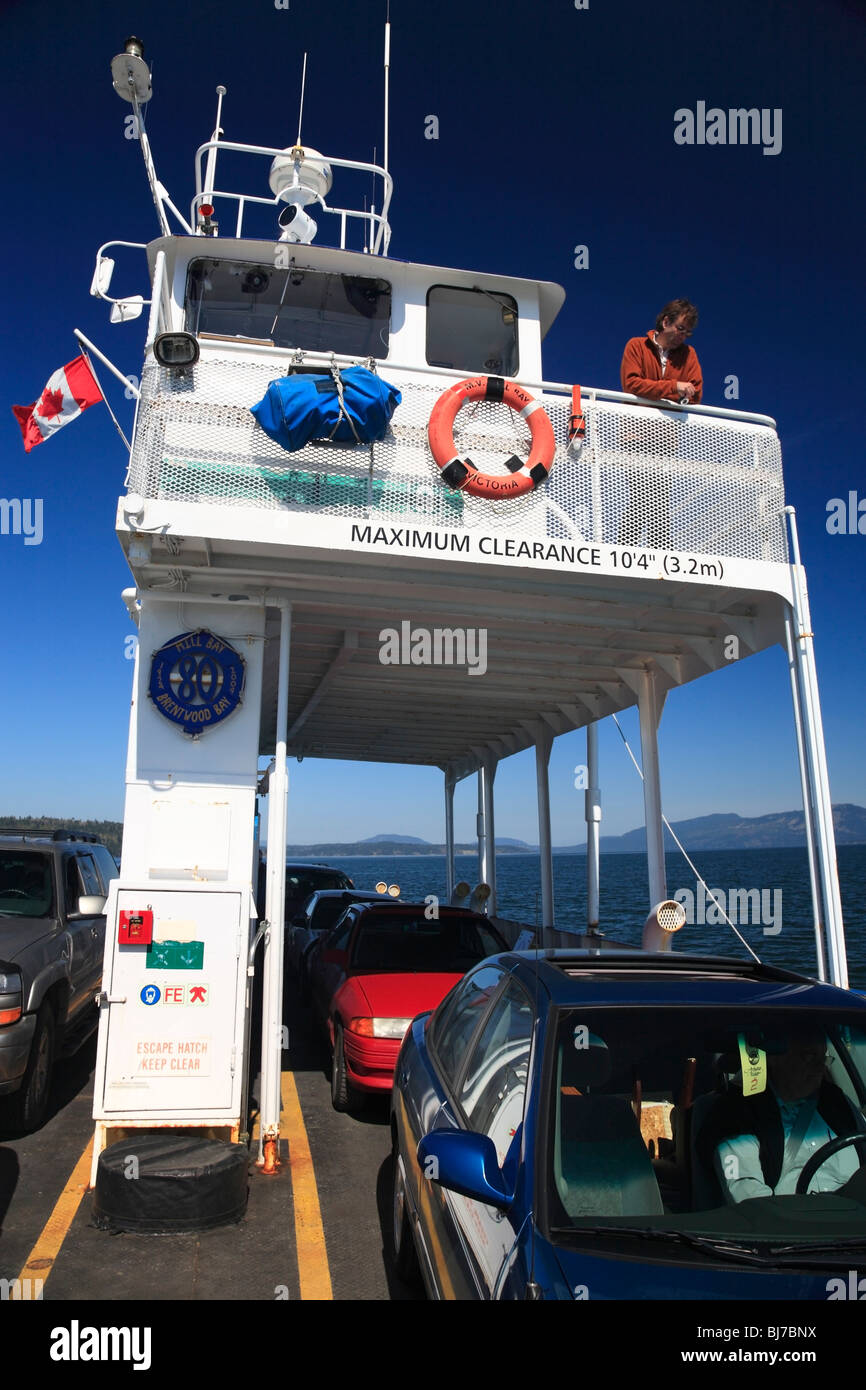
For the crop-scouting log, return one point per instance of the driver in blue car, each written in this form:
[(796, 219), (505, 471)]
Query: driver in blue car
[(767, 1139)]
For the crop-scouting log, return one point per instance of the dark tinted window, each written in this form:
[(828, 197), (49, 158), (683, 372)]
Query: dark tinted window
[(446, 944), (25, 884), (297, 307), (73, 887), (107, 867), (326, 913), (300, 883), (340, 938), (472, 330), (89, 876)]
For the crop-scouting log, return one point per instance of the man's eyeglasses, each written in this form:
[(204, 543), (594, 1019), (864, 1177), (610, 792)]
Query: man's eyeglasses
[(680, 328)]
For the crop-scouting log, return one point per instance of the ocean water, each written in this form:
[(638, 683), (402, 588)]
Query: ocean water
[(782, 873)]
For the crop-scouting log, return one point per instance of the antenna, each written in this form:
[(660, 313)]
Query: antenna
[(131, 80), (210, 171), (301, 110), (387, 78)]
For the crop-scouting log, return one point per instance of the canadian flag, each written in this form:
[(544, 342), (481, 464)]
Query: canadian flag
[(69, 391)]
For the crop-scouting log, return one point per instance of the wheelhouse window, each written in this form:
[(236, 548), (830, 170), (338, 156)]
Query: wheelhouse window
[(316, 310), (472, 330)]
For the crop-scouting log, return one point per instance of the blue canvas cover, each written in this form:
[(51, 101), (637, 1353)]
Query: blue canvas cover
[(296, 409)]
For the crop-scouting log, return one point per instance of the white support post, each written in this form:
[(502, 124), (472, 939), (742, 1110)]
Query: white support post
[(592, 811), (486, 830), (816, 762), (808, 809), (650, 711), (543, 746), (449, 833), (275, 911)]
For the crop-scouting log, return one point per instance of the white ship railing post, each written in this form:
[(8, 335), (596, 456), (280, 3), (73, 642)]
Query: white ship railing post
[(275, 911), (808, 808), (592, 802), (486, 831), (816, 762), (450, 781), (650, 711), (489, 773), (543, 746)]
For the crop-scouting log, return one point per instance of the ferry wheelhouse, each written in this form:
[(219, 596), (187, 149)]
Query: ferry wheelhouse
[(265, 580)]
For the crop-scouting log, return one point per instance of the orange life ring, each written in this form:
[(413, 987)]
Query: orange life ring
[(461, 473)]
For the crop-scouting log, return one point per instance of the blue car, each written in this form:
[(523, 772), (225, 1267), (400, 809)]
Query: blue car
[(618, 1125)]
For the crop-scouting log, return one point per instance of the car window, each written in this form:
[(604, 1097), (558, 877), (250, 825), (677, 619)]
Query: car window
[(326, 913), (300, 883), (686, 1115), (339, 939), (459, 1016), (448, 945), (73, 887), (25, 884), (494, 1083), (106, 865), (89, 876)]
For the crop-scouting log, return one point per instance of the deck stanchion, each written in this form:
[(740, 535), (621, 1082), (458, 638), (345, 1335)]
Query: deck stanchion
[(275, 911), (450, 782), (592, 804), (488, 773), (543, 746), (485, 828), (816, 766), (808, 808), (650, 704)]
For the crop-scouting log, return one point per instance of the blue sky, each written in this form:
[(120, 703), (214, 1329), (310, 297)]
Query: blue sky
[(556, 129)]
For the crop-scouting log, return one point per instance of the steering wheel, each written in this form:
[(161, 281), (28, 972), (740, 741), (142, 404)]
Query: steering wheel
[(820, 1157)]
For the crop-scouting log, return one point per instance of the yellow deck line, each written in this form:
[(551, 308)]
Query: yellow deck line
[(40, 1261), (313, 1271)]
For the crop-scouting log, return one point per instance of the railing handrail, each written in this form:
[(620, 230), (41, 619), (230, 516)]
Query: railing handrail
[(380, 220), (553, 387)]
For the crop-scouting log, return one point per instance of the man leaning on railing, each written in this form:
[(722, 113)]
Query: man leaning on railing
[(658, 366), (661, 365)]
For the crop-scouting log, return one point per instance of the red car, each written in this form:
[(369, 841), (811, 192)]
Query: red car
[(378, 967)]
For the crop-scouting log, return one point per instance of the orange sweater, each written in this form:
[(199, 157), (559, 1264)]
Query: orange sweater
[(641, 370)]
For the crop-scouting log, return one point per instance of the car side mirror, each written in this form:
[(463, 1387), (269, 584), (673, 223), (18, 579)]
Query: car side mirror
[(91, 905), (467, 1163)]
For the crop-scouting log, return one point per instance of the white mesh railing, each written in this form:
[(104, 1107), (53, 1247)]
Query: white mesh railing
[(645, 477)]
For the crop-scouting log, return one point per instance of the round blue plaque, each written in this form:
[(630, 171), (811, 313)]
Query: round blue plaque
[(196, 681)]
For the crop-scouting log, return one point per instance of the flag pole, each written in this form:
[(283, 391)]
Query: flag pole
[(86, 355)]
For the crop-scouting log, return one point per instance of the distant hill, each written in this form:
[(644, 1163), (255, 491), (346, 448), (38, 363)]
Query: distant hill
[(723, 830), (779, 830), (393, 840)]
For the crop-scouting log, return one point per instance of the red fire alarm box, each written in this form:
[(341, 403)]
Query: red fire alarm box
[(135, 928)]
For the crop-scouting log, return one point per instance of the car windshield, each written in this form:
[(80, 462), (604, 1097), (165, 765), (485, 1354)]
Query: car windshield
[(448, 945), (691, 1124), (25, 884)]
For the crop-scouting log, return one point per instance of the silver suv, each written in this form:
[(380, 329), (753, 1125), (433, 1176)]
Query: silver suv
[(53, 888)]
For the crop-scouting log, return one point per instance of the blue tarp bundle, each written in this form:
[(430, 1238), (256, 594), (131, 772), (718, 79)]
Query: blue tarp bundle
[(296, 409)]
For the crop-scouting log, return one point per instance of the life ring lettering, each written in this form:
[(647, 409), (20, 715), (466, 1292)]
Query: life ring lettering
[(462, 473)]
